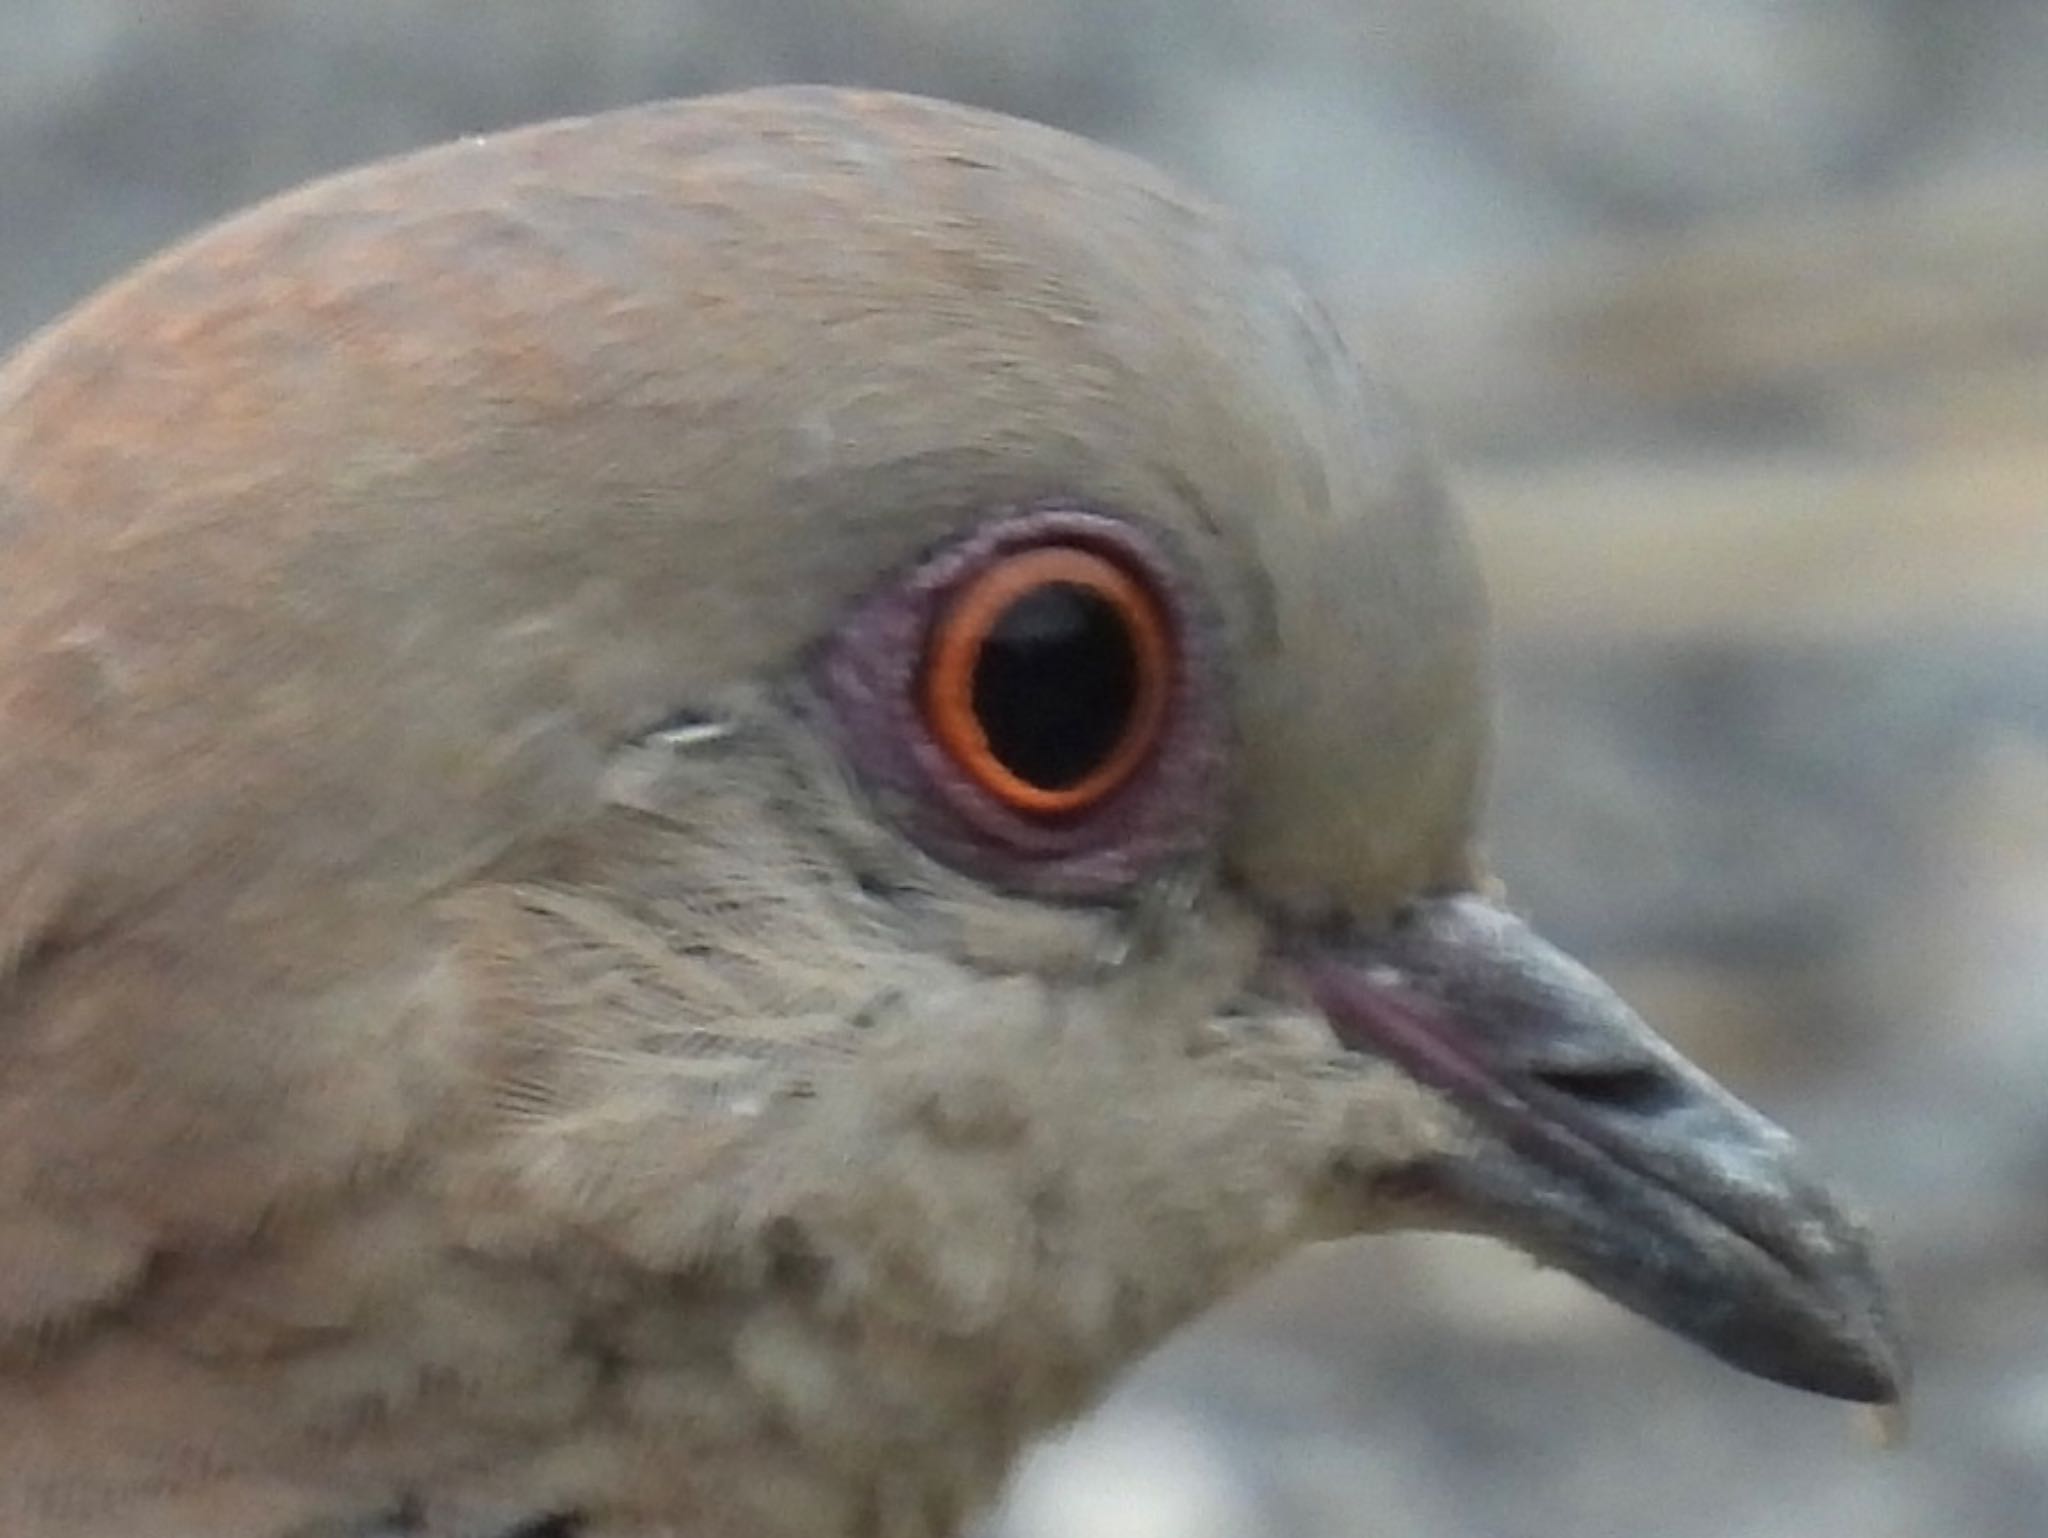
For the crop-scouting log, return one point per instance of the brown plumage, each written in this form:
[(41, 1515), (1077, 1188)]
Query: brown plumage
[(510, 1026)]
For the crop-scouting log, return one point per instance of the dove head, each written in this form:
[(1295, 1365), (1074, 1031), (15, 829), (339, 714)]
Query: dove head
[(832, 739)]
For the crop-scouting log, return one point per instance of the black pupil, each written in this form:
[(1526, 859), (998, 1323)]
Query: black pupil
[(1055, 683)]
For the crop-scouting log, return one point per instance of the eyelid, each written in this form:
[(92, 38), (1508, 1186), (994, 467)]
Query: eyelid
[(687, 728), (694, 734)]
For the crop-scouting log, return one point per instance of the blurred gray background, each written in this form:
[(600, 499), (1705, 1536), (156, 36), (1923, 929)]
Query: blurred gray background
[(1731, 317)]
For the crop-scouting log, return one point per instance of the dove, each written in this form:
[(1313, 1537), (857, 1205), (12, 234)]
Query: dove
[(705, 806)]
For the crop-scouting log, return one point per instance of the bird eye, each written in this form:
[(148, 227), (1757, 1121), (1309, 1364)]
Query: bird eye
[(1037, 701), (1046, 678)]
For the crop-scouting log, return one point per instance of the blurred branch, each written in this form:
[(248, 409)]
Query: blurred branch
[(1913, 320), (1769, 550)]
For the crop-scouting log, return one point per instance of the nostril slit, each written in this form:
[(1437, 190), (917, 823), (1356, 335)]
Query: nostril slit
[(1638, 1091)]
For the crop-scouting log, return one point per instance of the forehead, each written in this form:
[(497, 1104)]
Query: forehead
[(535, 436)]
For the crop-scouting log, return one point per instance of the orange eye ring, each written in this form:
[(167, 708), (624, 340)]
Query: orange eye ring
[(959, 645)]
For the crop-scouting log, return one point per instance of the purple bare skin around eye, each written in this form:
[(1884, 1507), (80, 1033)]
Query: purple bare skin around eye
[(870, 675)]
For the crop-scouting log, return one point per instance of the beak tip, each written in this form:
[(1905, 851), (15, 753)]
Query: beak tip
[(1870, 1361), (1865, 1369), (1844, 1341), (1872, 1367)]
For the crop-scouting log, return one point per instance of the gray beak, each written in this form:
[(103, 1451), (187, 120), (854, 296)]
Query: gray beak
[(1609, 1155)]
